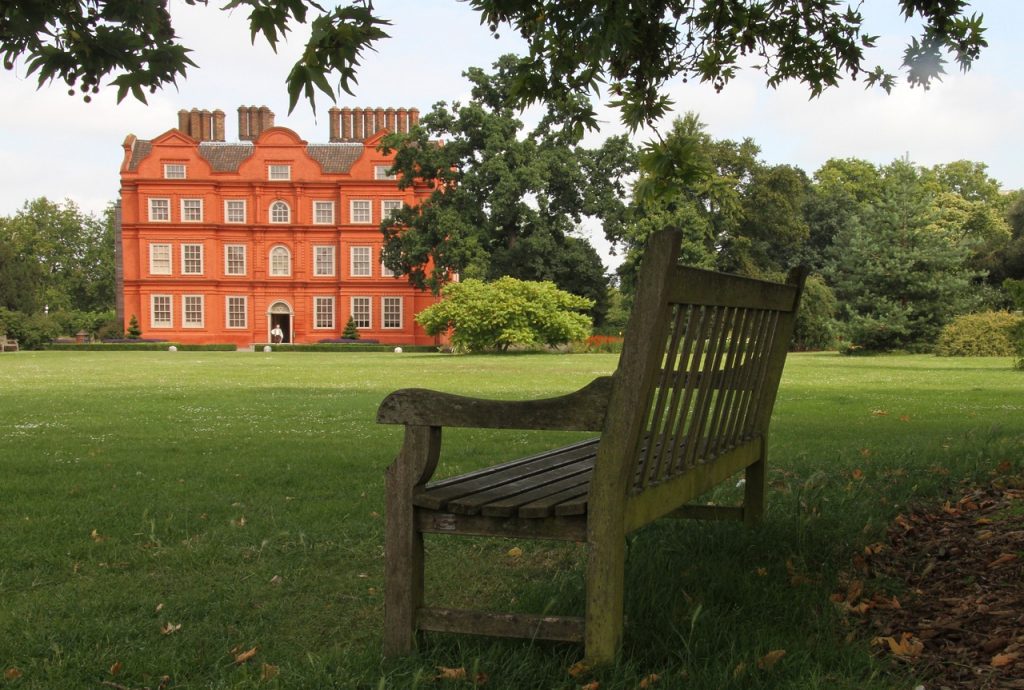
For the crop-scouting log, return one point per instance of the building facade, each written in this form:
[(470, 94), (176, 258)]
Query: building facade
[(222, 241)]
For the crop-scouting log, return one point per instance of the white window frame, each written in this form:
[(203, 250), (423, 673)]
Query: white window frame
[(327, 322), (389, 207), (353, 262), (228, 314), (185, 322), (279, 172), (159, 216), (364, 216), (175, 171), (227, 259), (274, 215), (384, 322), (363, 302), (166, 300), (320, 253), (380, 172), (273, 271), (153, 259), (228, 210), (386, 272), (323, 213), (185, 248), (191, 210)]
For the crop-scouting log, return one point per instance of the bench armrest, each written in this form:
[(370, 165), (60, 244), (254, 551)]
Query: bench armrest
[(583, 410)]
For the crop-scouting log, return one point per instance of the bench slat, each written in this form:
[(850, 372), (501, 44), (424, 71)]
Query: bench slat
[(438, 496), (471, 504)]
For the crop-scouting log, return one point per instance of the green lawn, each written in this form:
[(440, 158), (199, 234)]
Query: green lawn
[(240, 497)]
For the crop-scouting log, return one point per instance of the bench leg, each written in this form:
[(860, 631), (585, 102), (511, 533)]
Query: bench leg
[(754, 492), (606, 569), (403, 573)]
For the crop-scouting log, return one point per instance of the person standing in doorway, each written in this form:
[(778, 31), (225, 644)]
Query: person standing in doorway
[(276, 334)]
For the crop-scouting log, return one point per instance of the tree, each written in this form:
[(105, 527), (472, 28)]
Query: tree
[(634, 48), (73, 250), (506, 312), (21, 279), (896, 274), (504, 202)]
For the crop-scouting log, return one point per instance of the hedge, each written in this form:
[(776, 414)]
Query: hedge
[(111, 347), (342, 347)]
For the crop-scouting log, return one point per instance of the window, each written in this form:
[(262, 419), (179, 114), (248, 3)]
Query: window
[(280, 172), (323, 260), (361, 212), (391, 312), (234, 260), (361, 311), (191, 210), (192, 259), (380, 172), (192, 311), (389, 207), (386, 272), (279, 212), (159, 210), (323, 212), (174, 171), (160, 259), (160, 311), (280, 261), (237, 312), (234, 211), (360, 262), (323, 312)]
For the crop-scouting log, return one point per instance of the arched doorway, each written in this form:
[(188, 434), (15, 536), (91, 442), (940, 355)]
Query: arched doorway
[(280, 314)]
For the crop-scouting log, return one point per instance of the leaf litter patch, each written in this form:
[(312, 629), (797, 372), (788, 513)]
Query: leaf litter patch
[(949, 588)]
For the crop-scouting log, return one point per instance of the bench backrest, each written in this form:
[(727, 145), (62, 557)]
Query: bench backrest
[(698, 374)]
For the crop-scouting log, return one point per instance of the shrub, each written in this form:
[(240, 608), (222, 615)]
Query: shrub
[(350, 332), (985, 334), (507, 313), (30, 330), (815, 322), (1017, 336), (133, 328)]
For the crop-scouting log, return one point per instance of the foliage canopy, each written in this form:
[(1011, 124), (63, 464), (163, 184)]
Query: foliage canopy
[(631, 49)]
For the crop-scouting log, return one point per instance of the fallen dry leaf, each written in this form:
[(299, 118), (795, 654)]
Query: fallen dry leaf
[(95, 536), (515, 552), (768, 661), (906, 646), (13, 673), (445, 673), (115, 668), (761, 572), (242, 657), (858, 475), (879, 413), (240, 522), (650, 680), (865, 452), (904, 418), (1003, 560), (592, 685), (580, 668), (159, 607), (1004, 659), (854, 591), (170, 628), (269, 671), (740, 669)]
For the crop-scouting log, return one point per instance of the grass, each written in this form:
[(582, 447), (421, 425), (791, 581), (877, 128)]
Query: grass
[(241, 497)]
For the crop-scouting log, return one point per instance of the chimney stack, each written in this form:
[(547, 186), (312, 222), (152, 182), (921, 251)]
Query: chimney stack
[(253, 121), (359, 124), (202, 125)]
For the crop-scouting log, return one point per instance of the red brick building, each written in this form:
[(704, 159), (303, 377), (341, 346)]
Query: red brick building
[(221, 241)]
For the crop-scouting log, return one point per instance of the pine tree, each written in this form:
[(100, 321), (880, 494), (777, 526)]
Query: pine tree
[(350, 330), (134, 331)]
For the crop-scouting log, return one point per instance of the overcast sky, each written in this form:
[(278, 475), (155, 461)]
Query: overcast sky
[(57, 146)]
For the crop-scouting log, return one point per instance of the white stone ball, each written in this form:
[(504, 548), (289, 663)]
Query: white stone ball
[(398, 350), (172, 348), (266, 348)]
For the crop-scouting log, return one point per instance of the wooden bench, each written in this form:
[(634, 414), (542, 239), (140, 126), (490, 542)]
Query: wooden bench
[(8, 344), (687, 407)]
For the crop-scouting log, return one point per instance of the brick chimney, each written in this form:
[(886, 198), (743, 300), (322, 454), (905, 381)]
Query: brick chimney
[(253, 121), (202, 125), (359, 124)]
